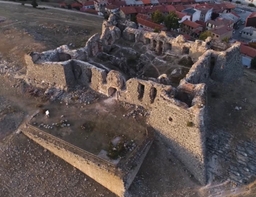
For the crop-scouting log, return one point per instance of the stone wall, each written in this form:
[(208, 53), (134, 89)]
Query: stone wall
[(48, 73), (177, 115), (227, 66), (116, 178), (161, 42), (222, 66)]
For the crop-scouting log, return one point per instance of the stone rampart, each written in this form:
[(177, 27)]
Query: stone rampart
[(116, 178)]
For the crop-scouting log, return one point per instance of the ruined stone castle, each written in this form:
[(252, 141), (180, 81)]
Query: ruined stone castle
[(178, 113)]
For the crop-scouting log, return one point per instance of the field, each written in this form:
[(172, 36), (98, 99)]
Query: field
[(26, 169)]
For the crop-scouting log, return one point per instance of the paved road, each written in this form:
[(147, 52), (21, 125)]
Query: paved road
[(50, 7)]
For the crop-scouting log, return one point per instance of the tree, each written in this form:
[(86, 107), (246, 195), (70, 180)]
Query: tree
[(34, 3), (205, 35), (253, 63), (171, 21), (157, 17)]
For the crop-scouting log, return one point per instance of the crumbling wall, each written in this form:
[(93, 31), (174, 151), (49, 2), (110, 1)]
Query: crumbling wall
[(161, 42), (110, 33), (115, 177), (47, 73), (178, 116), (94, 45), (141, 92), (182, 129), (228, 64), (218, 66), (201, 71), (98, 169)]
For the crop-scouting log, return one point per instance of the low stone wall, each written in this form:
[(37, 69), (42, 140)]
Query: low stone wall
[(116, 178)]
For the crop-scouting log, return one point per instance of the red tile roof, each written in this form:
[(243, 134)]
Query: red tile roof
[(217, 8), (129, 10), (170, 8), (203, 24), (119, 3), (150, 9), (145, 21), (184, 1), (221, 31), (229, 5), (180, 14), (162, 1), (91, 11), (220, 22), (247, 50), (179, 7), (145, 2), (191, 24), (111, 7), (252, 15), (87, 3)]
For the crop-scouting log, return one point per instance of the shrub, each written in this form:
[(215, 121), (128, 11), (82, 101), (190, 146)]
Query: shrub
[(156, 30), (190, 124), (226, 39), (205, 35), (251, 5)]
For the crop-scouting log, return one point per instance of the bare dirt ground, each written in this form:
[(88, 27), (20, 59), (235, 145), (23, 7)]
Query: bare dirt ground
[(26, 169)]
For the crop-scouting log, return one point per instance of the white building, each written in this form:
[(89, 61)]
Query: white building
[(248, 33), (193, 13)]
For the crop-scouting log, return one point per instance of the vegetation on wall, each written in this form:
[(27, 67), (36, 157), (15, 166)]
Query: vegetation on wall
[(205, 35), (226, 39)]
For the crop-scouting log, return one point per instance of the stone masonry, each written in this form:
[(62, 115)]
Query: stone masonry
[(177, 114)]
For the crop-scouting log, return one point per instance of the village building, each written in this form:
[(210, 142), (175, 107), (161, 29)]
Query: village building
[(87, 5), (248, 53), (205, 11), (145, 23), (193, 13), (222, 33), (191, 28), (251, 20), (249, 33), (128, 12), (218, 23)]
